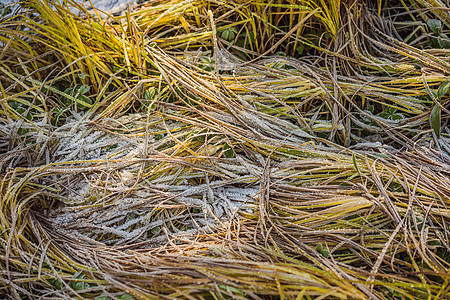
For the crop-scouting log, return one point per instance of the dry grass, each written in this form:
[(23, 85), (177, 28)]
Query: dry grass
[(209, 150)]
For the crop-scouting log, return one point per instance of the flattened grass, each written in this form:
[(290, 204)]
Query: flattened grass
[(208, 149)]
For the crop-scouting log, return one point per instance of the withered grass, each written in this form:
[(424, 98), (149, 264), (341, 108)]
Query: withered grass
[(225, 149)]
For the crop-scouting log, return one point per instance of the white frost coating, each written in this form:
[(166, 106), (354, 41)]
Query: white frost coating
[(81, 193), (80, 142), (367, 145), (135, 219), (127, 177), (108, 6), (226, 60)]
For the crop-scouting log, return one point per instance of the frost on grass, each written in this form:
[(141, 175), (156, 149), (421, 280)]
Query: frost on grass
[(79, 140), (116, 199), (119, 214)]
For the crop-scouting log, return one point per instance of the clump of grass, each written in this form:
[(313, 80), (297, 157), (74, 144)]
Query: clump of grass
[(214, 149)]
